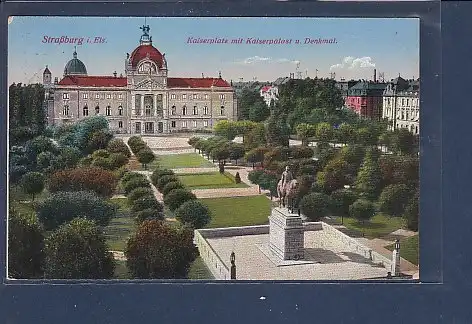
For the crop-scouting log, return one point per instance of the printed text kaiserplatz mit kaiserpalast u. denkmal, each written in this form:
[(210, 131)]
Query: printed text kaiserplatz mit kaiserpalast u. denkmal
[(259, 41)]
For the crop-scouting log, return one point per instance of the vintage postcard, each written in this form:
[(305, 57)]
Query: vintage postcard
[(213, 148)]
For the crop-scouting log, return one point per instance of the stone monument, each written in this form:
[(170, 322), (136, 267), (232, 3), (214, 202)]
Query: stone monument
[(396, 259), (286, 235)]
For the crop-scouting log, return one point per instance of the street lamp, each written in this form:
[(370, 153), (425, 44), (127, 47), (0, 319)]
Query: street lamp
[(397, 245), (342, 214)]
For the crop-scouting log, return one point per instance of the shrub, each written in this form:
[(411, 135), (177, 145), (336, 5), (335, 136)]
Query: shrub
[(136, 144), (135, 183), (341, 200), (130, 176), (255, 175), (237, 178), (148, 214), (100, 153), (394, 199), (77, 250), (25, 246), (314, 206), (193, 213), (137, 193), (362, 210), (301, 152), (159, 173), (175, 198), (117, 160), (117, 145), (165, 180), (94, 179), (146, 202), (160, 251), (101, 162), (32, 183), (62, 207), (171, 186)]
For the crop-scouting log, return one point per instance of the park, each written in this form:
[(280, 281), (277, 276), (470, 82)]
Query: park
[(127, 196)]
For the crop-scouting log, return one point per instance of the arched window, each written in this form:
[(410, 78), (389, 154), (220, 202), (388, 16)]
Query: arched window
[(65, 110), (85, 111), (120, 110), (173, 110), (195, 110), (184, 110), (97, 110), (108, 111), (222, 110)]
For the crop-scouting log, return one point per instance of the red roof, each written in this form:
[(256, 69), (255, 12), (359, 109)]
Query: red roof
[(143, 51), (265, 88), (197, 83), (93, 81)]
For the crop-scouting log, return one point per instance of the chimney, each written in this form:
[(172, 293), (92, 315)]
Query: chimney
[(375, 75), (114, 74), (202, 76), (55, 80)]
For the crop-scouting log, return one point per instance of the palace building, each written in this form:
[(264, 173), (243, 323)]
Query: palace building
[(143, 101)]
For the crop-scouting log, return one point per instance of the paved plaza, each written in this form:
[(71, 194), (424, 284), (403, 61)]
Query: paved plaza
[(328, 259)]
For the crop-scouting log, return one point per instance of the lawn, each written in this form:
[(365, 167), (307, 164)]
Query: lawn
[(120, 227), (409, 248), (210, 180), (198, 270), (379, 225), (176, 161), (238, 211)]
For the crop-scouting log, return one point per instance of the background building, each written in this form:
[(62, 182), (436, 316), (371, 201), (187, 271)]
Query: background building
[(143, 101), (366, 98), (401, 104)]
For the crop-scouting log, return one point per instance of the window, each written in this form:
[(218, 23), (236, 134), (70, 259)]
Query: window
[(65, 96), (184, 110), (407, 102), (97, 110), (138, 127), (172, 124), (195, 110), (172, 96), (85, 95), (85, 111), (194, 124), (173, 110), (97, 96), (184, 96), (108, 96), (222, 110), (120, 96), (148, 110), (195, 96), (108, 111), (205, 110), (206, 96), (120, 124), (403, 101), (65, 110), (222, 96), (120, 111), (205, 123), (184, 124)]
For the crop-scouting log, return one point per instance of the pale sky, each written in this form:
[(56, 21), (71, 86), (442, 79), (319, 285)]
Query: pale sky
[(389, 45)]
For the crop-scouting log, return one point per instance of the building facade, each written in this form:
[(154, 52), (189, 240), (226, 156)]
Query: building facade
[(344, 87), (401, 104), (269, 93), (143, 101), (365, 98)]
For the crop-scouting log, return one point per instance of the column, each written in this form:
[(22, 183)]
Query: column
[(142, 105), (155, 104), (133, 105)]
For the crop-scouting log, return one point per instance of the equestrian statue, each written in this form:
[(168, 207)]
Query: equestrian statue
[(287, 190)]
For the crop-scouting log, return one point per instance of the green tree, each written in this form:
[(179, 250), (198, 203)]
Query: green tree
[(32, 183), (62, 207), (277, 131), (175, 198), (259, 112), (403, 142), (117, 145), (394, 199), (171, 186), (145, 156), (255, 137), (146, 202), (304, 132), (25, 246), (236, 152), (324, 132), (164, 180), (341, 199), (226, 129), (160, 251), (369, 178), (334, 175), (193, 213), (412, 212), (315, 206), (138, 193), (362, 210), (255, 175), (158, 173), (135, 183), (345, 134), (77, 250)]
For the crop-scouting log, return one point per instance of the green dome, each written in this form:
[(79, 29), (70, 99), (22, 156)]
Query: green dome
[(75, 67)]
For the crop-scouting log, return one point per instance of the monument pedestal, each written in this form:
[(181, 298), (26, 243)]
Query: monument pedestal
[(286, 235)]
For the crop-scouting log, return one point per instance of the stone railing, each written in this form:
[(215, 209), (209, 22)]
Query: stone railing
[(217, 267), (356, 246), (234, 231)]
